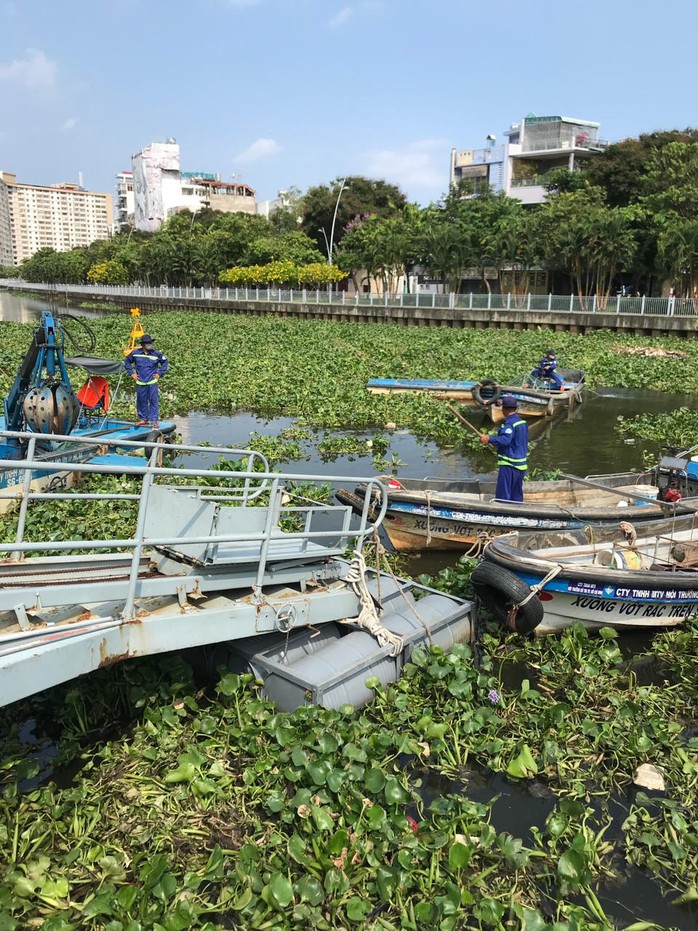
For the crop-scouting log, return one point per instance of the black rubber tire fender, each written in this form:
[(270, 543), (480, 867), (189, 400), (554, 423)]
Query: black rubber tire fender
[(155, 436), (498, 589), (487, 392)]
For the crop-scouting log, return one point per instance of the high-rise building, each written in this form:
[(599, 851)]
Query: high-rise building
[(161, 189), (125, 205), (536, 145), (7, 256), (60, 217)]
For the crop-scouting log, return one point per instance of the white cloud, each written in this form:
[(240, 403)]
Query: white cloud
[(262, 148), (422, 163), (70, 123), (35, 72), (344, 15)]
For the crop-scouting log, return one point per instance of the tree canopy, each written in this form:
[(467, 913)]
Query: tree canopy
[(629, 215)]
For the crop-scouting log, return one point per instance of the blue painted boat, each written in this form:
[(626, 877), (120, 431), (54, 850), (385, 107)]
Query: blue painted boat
[(437, 514), (439, 388), (536, 399), (621, 576)]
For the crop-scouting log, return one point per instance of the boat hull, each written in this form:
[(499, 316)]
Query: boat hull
[(12, 479), (625, 577), (433, 515), (417, 527), (442, 390), (567, 600)]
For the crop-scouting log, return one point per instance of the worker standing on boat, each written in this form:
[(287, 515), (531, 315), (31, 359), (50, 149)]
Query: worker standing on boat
[(546, 369), (511, 443), (146, 366)]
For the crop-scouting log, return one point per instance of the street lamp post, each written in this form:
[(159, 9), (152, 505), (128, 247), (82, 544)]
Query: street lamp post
[(321, 229), (334, 220)]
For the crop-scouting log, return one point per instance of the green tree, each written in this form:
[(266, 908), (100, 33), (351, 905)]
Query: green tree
[(360, 197), (621, 170), (678, 254), (110, 272)]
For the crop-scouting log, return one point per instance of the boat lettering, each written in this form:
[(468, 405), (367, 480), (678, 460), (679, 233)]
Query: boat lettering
[(459, 530), (657, 594), (654, 610), (683, 610), (593, 604), (630, 608), (584, 588), (503, 520)]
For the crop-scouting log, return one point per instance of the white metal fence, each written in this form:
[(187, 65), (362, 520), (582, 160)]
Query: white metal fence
[(555, 303)]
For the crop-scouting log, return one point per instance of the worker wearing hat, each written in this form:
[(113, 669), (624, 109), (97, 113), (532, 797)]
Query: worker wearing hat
[(511, 443), (546, 370), (146, 366)]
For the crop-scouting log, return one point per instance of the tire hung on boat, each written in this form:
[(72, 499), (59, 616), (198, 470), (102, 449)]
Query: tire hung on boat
[(486, 392), (499, 590)]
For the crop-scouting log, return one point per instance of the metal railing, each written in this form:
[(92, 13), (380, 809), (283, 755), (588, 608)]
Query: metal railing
[(550, 303), (250, 482)]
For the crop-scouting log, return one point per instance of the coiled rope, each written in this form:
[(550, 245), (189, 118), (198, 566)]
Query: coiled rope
[(368, 617)]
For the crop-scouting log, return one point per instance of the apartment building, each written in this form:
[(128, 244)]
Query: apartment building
[(161, 189), (60, 217), (7, 256), (535, 146), (125, 201)]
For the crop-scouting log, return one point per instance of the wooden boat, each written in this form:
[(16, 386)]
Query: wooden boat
[(537, 398), (625, 576), (430, 514), (441, 389)]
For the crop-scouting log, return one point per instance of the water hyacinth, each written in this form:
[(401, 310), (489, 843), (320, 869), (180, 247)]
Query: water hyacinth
[(494, 696)]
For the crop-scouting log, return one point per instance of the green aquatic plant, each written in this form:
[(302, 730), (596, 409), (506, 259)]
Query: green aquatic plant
[(676, 428)]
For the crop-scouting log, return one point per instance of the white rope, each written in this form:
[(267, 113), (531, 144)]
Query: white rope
[(368, 616), (540, 585), (428, 517)]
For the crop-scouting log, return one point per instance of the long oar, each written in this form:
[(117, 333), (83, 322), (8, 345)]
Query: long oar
[(468, 424)]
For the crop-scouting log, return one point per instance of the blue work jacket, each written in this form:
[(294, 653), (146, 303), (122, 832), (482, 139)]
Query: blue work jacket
[(547, 365), (511, 442), (146, 364)]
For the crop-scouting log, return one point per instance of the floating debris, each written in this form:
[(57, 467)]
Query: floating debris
[(649, 777)]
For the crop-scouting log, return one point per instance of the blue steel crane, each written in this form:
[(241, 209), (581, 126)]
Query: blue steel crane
[(41, 399)]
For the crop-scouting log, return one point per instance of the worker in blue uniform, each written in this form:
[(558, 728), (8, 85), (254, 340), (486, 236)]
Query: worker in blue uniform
[(146, 366), (546, 369), (511, 443)]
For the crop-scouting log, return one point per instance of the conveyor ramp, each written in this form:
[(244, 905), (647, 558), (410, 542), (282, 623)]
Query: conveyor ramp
[(212, 554)]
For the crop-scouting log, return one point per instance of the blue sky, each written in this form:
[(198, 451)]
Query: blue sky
[(285, 93)]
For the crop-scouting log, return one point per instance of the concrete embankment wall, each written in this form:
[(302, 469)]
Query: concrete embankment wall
[(455, 318)]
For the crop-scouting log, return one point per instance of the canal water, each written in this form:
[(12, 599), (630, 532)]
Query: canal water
[(26, 308)]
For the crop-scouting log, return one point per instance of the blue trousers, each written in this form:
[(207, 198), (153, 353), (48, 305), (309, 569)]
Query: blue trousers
[(552, 376), (509, 484), (148, 402)]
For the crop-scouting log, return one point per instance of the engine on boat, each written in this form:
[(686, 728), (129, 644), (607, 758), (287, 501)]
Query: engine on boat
[(676, 477)]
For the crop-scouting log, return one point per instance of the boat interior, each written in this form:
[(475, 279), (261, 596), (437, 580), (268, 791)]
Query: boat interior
[(671, 545), (629, 491)]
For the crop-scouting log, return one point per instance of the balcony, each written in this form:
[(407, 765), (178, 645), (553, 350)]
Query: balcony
[(565, 145)]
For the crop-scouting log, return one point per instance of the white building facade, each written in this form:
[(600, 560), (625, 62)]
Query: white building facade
[(536, 145), (125, 200), (161, 189), (60, 217)]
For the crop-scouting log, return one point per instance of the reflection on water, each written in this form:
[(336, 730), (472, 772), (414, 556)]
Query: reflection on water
[(26, 308)]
